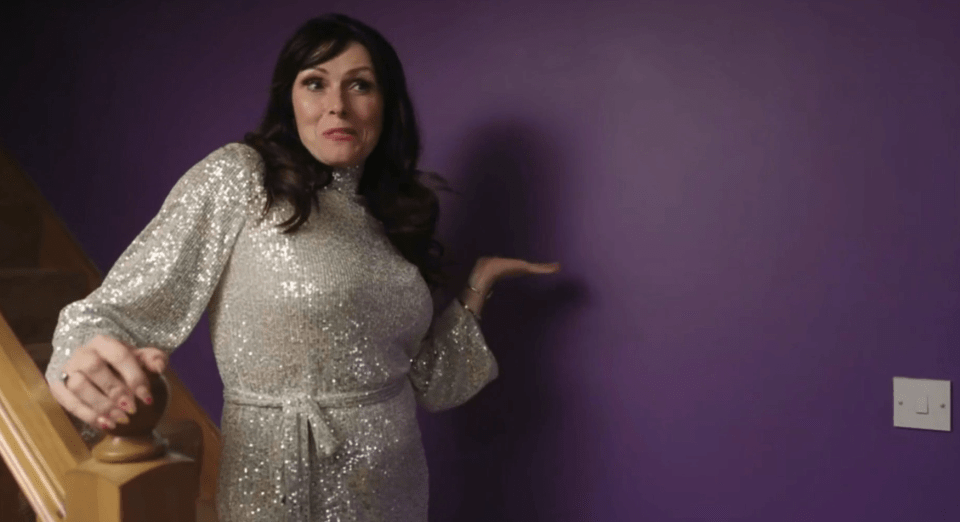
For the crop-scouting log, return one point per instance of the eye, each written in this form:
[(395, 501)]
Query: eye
[(363, 85), (312, 83)]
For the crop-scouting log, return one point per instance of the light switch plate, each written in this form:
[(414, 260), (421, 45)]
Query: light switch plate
[(913, 397)]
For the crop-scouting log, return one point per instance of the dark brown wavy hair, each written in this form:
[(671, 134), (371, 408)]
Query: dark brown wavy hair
[(391, 183)]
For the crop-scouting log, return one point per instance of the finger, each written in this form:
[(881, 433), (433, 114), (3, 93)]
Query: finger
[(505, 268), (123, 360), (72, 403), (91, 403), (153, 359), (522, 267), (97, 384), (545, 268)]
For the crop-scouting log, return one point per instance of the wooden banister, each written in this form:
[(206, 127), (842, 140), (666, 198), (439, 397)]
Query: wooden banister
[(56, 472), (38, 442), (43, 451)]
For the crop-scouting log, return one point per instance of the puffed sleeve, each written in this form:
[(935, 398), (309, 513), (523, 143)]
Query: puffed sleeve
[(159, 287), (454, 362)]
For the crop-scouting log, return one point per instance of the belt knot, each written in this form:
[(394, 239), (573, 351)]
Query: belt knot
[(303, 415)]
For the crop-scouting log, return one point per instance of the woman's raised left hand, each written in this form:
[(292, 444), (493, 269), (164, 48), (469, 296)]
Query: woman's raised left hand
[(489, 270)]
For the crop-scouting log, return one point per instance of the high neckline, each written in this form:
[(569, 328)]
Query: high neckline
[(346, 179)]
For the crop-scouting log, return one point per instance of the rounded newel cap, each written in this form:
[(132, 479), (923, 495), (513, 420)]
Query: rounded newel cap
[(148, 415), (135, 441)]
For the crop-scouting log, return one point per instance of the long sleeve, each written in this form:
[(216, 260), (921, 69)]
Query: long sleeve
[(159, 287), (454, 362)]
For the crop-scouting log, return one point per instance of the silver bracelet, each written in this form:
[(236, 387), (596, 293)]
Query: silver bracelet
[(467, 308), (478, 292)]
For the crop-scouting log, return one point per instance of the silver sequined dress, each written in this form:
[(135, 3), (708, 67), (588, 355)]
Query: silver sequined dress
[(325, 340)]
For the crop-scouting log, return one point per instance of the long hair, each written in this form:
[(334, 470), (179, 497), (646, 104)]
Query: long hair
[(391, 183)]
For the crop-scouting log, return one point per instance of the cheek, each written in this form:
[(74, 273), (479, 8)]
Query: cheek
[(304, 112), (374, 119)]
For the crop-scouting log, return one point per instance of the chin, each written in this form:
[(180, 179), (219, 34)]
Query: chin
[(341, 164), (340, 160)]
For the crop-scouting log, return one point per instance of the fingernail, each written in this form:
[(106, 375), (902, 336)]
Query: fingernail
[(144, 395), (105, 424), (128, 406), (121, 417)]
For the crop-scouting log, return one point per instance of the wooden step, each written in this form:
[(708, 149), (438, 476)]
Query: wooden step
[(20, 230), (31, 300)]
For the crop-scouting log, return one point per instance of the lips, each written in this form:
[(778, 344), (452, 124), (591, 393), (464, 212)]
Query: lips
[(339, 132)]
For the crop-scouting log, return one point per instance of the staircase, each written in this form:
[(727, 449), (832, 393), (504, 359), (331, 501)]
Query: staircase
[(42, 269), (32, 295)]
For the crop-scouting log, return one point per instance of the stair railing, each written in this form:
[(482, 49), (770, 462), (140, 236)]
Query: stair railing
[(55, 470)]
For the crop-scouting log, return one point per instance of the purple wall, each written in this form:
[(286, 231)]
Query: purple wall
[(756, 205)]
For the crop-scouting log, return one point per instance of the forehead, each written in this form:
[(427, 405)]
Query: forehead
[(354, 55)]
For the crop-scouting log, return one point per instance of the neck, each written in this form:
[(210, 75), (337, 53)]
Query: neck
[(346, 179)]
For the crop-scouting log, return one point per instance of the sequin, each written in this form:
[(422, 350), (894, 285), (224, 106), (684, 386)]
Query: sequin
[(325, 341)]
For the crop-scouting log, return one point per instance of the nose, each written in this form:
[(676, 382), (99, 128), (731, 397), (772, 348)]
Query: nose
[(336, 102)]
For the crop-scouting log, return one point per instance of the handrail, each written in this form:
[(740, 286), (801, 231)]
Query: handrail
[(37, 440), (41, 447), (39, 443)]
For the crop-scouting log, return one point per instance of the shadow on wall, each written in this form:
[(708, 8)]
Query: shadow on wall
[(497, 457)]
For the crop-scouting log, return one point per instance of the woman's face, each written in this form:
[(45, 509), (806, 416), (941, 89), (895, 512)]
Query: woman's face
[(339, 108)]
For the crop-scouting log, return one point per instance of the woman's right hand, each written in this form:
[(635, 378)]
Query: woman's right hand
[(103, 377)]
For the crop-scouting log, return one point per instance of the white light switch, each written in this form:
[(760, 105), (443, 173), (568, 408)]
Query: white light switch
[(921, 403)]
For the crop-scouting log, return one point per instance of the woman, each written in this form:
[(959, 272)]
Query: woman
[(311, 246)]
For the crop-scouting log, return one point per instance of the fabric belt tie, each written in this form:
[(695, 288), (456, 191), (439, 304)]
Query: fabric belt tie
[(302, 416)]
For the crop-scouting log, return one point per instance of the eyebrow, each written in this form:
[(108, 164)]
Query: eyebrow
[(355, 69)]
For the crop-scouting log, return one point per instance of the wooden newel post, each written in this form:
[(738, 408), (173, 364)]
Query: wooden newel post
[(133, 477)]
